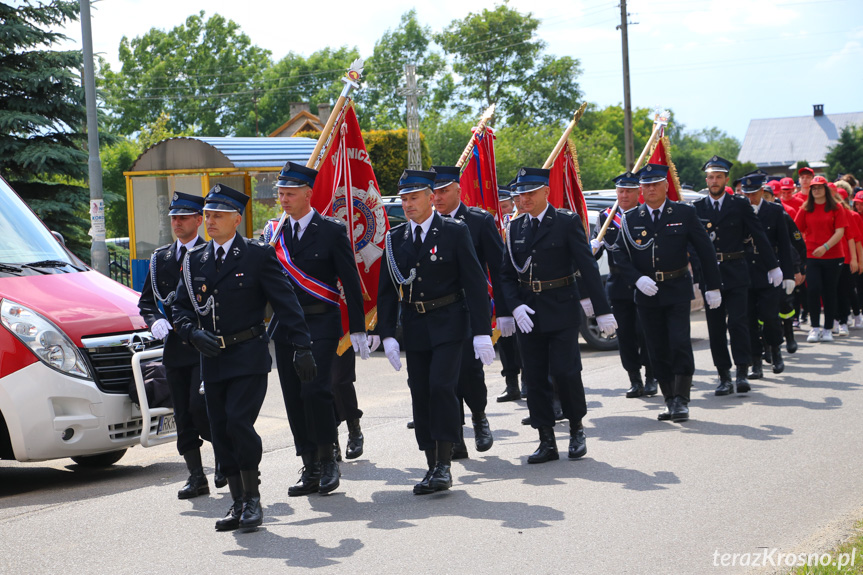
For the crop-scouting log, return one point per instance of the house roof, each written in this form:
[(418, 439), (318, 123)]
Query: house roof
[(784, 141), (195, 153), (301, 116)]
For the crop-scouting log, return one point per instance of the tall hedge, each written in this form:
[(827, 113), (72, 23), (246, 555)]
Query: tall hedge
[(388, 150)]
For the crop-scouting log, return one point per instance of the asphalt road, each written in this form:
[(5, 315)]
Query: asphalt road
[(778, 468)]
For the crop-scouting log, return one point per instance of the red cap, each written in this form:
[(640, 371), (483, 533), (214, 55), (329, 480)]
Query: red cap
[(818, 180), (842, 192), (832, 186), (859, 197), (728, 190), (806, 170), (775, 185), (786, 184)]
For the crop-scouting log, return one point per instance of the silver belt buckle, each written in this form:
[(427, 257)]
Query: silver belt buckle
[(660, 276), (221, 341), (420, 307), (536, 286)]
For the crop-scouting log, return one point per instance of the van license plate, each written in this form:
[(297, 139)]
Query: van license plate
[(167, 424)]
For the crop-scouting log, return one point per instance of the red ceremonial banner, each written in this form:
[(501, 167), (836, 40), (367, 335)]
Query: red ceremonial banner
[(565, 185), (346, 188), (478, 177), (661, 156)]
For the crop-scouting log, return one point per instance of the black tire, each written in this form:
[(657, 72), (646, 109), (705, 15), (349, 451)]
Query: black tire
[(590, 332), (100, 460)]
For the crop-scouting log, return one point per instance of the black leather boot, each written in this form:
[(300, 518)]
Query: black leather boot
[(767, 355), (482, 433), (637, 388), (355, 439), (679, 409), (547, 450), (219, 480), (726, 386), (651, 386), (231, 520), (337, 450), (423, 487), (196, 484), (511, 393), (757, 371), (329, 469), (778, 362), (665, 415), (310, 477), (743, 383), (577, 442), (252, 516), (788, 328), (459, 450), (441, 478)]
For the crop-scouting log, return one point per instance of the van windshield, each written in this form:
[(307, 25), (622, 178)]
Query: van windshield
[(23, 237)]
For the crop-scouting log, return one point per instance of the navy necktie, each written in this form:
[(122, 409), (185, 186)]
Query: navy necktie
[(220, 254), (716, 206), (655, 216), (418, 241), (182, 255)]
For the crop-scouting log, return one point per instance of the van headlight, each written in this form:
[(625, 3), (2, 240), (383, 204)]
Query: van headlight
[(44, 339)]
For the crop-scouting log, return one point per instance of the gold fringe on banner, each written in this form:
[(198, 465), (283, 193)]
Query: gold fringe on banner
[(371, 322), (572, 150)]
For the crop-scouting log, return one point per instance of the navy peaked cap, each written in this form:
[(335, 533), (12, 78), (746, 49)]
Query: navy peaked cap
[(296, 175), (445, 175), (225, 199), (652, 173), (186, 204), (530, 179), (416, 180), (627, 180)]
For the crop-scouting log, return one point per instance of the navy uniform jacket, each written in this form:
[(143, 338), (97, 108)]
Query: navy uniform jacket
[(558, 250), (325, 253), (249, 277), (616, 285), (177, 353), (773, 221), (646, 248), (445, 265), (729, 229), (798, 254), (488, 247)]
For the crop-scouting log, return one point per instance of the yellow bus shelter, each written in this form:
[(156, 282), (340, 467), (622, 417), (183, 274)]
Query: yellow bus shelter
[(194, 165)]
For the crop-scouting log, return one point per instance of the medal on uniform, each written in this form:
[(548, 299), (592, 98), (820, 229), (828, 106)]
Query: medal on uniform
[(709, 225), (204, 288), (712, 236), (638, 242), (199, 298), (644, 232), (433, 252)]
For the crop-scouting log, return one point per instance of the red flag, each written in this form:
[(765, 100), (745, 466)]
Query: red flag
[(565, 184), (346, 188), (478, 178), (661, 156)]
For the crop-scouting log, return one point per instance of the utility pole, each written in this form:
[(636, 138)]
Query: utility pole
[(410, 91), (627, 102), (98, 250)]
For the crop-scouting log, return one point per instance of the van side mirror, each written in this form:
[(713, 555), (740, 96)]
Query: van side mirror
[(59, 237)]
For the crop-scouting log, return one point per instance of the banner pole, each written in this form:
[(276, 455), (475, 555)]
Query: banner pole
[(484, 119), (564, 137)]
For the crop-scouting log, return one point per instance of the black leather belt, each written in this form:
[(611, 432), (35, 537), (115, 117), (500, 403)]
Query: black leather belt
[(614, 270), (727, 256), (426, 306), (537, 286), (318, 308), (665, 276), (251, 333)]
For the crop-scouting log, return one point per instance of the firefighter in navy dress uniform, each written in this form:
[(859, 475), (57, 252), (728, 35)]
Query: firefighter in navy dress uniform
[(764, 297), (433, 277), (652, 252), (182, 361), (315, 253), (729, 220), (630, 335), (545, 249), (489, 251), (221, 302)]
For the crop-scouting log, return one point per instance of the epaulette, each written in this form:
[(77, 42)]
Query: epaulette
[(478, 209), (198, 247), (257, 242), (163, 248), (335, 220), (564, 211), (630, 210), (517, 216)]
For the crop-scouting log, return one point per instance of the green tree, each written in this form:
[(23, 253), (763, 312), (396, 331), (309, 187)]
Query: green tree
[(407, 44), (738, 170), (297, 79), (500, 63), (116, 159), (846, 156), (42, 112), (204, 74), (690, 150), (446, 138), (609, 120)]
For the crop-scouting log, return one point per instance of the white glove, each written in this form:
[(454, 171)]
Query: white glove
[(774, 276), (506, 325), (160, 328), (646, 286), (374, 342), (713, 298), (391, 348), (788, 286), (483, 349), (587, 306), (607, 324), (360, 343), (522, 318), (595, 244)]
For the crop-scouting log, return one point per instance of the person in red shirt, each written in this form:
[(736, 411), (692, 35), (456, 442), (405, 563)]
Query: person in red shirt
[(822, 222), (847, 298), (857, 205), (805, 174)]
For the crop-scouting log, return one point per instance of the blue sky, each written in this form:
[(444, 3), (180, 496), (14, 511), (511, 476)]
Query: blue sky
[(715, 63)]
